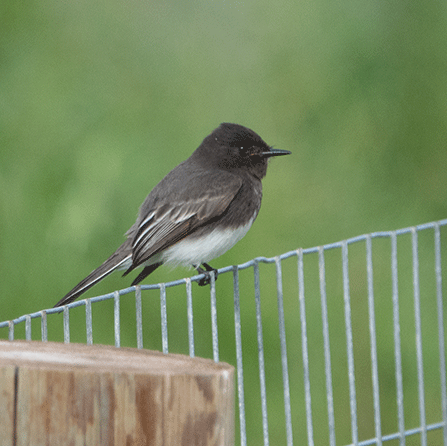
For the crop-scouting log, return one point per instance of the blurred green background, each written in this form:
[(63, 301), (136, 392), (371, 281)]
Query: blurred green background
[(98, 101)]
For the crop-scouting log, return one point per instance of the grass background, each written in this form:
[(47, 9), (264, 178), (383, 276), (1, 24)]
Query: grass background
[(98, 101)]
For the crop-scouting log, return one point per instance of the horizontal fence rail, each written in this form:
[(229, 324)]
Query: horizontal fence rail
[(349, 348)]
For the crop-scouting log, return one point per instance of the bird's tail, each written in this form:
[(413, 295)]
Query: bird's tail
[(119, 259)]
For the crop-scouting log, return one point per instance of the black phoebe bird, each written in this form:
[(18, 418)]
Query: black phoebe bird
[(197, 212)]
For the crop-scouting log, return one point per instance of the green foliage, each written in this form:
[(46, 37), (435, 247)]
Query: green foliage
[(98, 101)]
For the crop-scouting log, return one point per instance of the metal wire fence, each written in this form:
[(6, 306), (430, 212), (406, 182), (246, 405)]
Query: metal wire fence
[(349, 348)]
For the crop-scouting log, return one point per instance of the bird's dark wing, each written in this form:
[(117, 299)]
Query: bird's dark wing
[(166, 223)]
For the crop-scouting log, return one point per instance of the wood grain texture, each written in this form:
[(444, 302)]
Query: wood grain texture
[(76, 394)]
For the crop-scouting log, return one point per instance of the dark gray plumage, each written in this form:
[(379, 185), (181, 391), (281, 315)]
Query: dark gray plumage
[(197, 211)]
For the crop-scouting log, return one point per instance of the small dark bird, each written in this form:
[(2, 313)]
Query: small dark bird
[(197, 212)]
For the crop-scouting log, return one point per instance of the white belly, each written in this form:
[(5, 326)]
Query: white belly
[(196, 251)]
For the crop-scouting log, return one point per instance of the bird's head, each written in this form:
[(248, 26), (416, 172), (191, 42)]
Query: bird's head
[(233, 146)]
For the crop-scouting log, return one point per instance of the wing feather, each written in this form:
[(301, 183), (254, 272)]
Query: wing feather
[(164, 224)]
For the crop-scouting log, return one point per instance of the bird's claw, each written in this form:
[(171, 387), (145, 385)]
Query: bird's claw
[(207, 273)]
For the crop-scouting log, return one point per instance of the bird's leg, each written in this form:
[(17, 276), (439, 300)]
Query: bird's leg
[(208, 268)]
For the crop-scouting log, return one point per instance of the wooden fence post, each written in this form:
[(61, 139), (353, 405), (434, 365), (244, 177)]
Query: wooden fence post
[(74, 394)]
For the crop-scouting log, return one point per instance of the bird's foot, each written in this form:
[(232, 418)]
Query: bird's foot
[(206, 272)]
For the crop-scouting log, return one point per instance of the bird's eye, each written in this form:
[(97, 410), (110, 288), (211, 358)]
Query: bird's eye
[(244, 151)]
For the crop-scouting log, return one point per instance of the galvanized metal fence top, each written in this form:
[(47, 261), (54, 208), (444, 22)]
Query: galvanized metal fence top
[(372, 353)]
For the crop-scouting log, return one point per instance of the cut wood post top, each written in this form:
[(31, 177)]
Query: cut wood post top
[(104, 357)]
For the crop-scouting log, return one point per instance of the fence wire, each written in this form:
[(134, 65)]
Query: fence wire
[(380, 319)]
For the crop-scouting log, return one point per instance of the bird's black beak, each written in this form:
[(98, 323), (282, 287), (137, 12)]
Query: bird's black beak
[(275, 152)]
